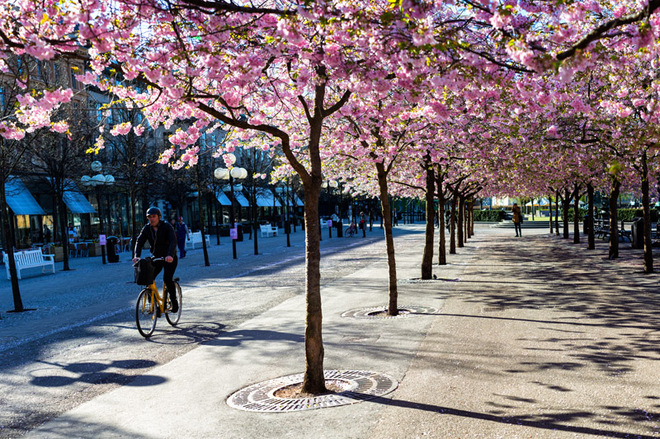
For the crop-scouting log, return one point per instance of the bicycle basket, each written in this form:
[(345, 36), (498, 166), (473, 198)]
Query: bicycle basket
[(144, 272)]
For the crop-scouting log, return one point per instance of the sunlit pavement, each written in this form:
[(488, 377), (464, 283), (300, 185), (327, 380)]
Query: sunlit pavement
[(533, 337)]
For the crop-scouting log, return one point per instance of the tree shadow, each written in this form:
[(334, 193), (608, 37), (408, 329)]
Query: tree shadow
[(97, 373), (545, 421)]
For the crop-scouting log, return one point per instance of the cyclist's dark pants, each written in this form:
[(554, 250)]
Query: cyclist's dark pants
[(168, 274)]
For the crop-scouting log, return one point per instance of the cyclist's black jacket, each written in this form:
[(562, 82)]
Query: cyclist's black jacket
[(161, 241)]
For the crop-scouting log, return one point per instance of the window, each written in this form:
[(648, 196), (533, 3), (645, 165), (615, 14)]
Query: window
[(74, 82), (40, 70)]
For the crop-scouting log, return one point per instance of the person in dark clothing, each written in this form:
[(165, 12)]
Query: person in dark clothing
[(181, 236), (162, 241)]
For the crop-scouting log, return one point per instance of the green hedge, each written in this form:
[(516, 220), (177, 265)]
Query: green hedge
[(488, 215), (571, 214), (629, 214), (622, 214)]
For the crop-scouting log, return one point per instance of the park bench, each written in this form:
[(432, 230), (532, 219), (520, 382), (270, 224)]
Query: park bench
[(195, 238), (268, 230), (29, 259), (603, 231)]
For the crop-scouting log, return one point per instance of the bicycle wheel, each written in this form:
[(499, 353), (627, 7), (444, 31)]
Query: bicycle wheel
[(145, 313), (173, 317)]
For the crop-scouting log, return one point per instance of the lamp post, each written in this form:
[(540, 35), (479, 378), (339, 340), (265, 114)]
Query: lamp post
[(96, 182), (231, 174)]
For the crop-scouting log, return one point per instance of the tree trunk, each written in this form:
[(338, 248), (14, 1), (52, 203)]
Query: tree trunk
[(461, 217), (61, 210), (471, 218), (648, 248), (550, 213), (442, 245), (427, 258), (557, 212), (314, 380), (614, 226), (393, 308), (8, 219), (565, 206), (452, 226), (255, 219), (466, 204), (591, 237), (576, 214)]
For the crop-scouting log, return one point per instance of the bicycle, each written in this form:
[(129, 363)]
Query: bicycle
[(150, 306), (350, 231)]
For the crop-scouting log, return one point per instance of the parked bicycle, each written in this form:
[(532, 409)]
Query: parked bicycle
[(351, 231), (150, 306)]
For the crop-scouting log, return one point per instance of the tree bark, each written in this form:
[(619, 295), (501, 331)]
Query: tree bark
[(550, 213), (61, 210), (314, 380), (614, 220), (452, 226), (591, 236), (461, 218), (648, 245), (576, 214), (427, 258), (557, 212), (442, 245), (565, 207), (393, 308), (470, 214), (7, 218)]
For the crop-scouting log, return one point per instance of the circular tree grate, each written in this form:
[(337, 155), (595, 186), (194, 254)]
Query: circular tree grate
[(357, 385), (378, 312)]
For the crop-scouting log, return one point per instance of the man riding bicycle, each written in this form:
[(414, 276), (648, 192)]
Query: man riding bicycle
[(162, 241)]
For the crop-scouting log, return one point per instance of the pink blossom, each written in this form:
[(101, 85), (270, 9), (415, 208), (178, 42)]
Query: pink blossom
[(60, 127), (121, 129)]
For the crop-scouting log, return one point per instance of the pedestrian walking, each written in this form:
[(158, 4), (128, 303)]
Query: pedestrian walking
[(181, 236), (363, 224), (517, 219)]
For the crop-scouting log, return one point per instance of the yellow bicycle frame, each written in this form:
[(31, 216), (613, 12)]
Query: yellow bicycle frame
[(155, 298)]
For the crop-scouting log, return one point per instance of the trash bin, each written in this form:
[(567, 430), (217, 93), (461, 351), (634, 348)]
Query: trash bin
[(111, 248), (637, 229)]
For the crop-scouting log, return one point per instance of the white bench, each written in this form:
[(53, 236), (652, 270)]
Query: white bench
[(195, 238), (268, 230), (29, 259)]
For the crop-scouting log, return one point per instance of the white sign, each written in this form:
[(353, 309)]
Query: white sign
[(233, 233), (102, 239), (329, 224)]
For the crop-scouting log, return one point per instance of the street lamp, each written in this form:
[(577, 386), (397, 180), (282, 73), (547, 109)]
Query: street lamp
[(231, 174), (96, 182)]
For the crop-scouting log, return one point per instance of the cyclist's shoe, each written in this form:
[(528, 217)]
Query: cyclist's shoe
[(175, 306)]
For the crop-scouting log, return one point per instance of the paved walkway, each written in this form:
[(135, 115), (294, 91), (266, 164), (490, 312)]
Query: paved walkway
[(533, 337)]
